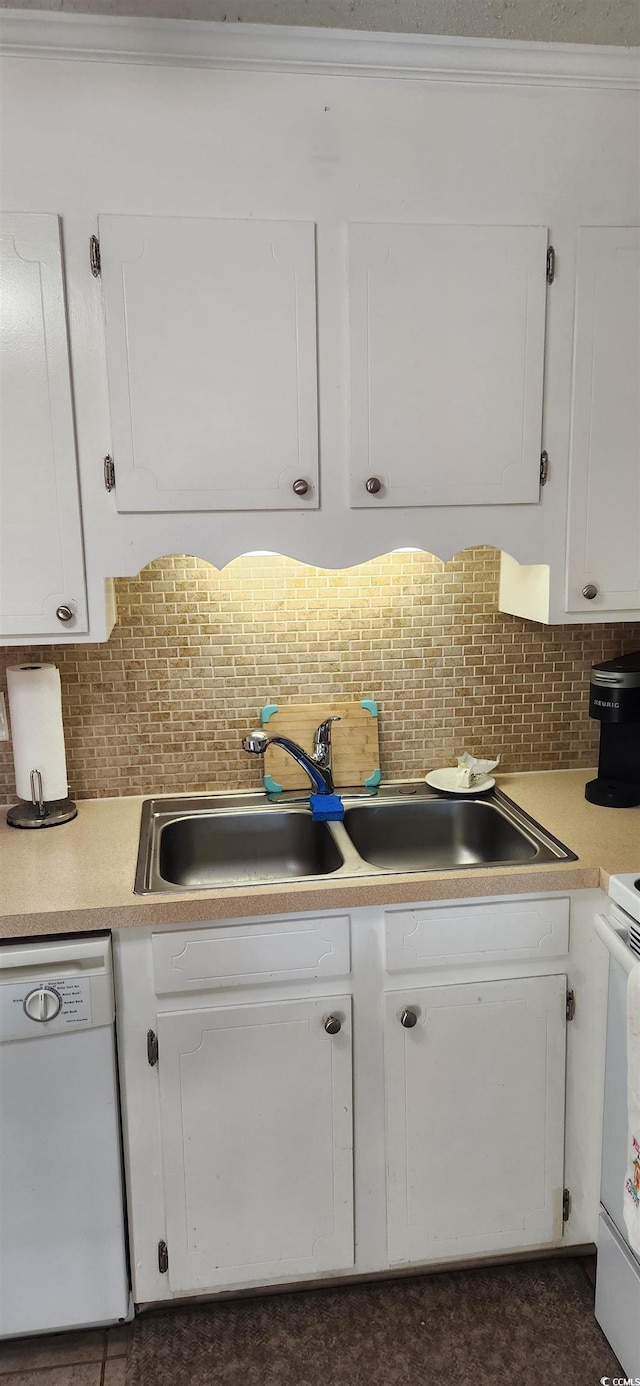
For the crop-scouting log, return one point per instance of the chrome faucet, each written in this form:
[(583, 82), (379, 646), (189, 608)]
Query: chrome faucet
[(317, 765)]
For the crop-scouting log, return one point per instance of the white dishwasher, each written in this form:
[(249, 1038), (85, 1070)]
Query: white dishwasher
[(63, 1260)]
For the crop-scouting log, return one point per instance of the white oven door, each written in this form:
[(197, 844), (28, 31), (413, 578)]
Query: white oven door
[(615, 1129), (618, 1274)]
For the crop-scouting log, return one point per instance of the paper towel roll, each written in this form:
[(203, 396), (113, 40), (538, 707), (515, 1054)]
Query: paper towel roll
[(37, 733)]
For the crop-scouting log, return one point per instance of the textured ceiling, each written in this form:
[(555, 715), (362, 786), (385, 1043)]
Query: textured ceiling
[(558, 21)]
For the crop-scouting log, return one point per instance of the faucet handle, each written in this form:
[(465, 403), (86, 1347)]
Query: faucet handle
[(323, 732), (322, 741)]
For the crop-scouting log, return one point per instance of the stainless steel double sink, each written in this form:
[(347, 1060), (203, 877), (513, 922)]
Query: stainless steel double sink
[(207, 841)]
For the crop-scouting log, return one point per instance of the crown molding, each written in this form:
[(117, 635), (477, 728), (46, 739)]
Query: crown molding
[(342, 52)]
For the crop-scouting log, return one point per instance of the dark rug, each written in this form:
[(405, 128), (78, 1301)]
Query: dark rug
[(502, 1326)]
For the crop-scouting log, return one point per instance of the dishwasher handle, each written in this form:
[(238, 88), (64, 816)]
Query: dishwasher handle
[(614, 942), (74, 955)]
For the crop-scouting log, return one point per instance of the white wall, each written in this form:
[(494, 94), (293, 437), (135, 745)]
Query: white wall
[(557, 21)]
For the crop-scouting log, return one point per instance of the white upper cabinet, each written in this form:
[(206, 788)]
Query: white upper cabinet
[(447, 328), (323, 326), (41, 557), (597, 576), (211, 351), (604, 481)]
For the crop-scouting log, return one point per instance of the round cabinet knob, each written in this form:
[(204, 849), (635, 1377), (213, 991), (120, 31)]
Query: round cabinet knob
[(408, 1019), (332, 1024), (42, 1004), (64, 613), (373, 484), (301, 486), (590, 591)]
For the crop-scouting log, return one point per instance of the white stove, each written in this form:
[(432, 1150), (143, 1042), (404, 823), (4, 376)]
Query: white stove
[(618, 1274), (624, 890)]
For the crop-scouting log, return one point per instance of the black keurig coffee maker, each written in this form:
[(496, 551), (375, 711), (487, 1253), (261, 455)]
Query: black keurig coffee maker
[(615, 702)]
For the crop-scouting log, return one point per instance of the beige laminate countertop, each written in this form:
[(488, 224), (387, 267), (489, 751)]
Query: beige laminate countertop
[(80, 876)]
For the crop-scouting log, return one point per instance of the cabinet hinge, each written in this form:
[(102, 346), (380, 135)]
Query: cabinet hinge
[(94, 256), (163, 1258), (551, 265), (109, 473), (571, 1005), (152, 1048), (566, 1205), (544, 468)]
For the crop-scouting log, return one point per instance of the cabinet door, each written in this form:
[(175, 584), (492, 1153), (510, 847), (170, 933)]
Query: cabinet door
[(256, 1115), (446, 363), (475, 1118), (211, 353), (604, 485), (41, 558)]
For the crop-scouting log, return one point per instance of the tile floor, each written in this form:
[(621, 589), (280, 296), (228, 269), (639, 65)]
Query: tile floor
[(94, 1357)]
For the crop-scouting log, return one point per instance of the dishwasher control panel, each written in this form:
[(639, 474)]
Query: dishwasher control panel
[(55, 987), (44, 1004)]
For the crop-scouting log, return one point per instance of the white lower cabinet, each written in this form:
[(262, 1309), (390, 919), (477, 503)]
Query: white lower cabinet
[(341, 1094), (474, 1117), (257, 1141)]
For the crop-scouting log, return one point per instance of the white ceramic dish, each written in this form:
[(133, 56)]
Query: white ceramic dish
[(447, 782)]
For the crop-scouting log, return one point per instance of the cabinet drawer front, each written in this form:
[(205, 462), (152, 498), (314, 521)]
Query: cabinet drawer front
[(267, 951), (511, 930)]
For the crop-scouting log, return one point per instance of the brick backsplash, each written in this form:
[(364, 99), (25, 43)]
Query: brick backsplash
[(163, 704)]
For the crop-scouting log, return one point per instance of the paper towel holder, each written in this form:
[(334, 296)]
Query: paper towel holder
[(40, 813)]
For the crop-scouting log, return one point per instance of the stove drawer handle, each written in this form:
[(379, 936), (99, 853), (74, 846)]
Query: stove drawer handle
[(615, 944)]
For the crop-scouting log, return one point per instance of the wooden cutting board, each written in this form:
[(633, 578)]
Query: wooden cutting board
[(356, 757)]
